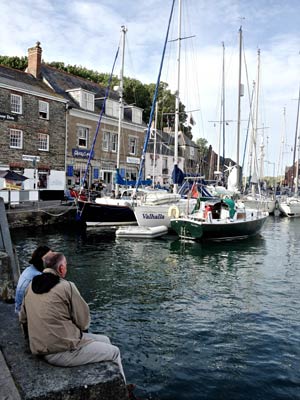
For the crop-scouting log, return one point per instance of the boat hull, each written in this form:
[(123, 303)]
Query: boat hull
[(141, 232), (154, 215), (94, 214), (188, 228), (290, 207), (265, 205)]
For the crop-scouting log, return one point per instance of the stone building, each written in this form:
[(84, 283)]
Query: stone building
[(84, 107), (32, 127)]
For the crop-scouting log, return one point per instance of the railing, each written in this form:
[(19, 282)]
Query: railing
[(13, 197)]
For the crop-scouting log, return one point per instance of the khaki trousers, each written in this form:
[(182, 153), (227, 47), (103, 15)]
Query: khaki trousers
[(100, 349)]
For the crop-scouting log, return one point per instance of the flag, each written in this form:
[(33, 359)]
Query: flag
[(194, 191), (191, 120)]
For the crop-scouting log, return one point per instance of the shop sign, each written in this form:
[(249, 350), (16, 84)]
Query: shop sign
[(133, 160), (30, 158), (81, 153), (8, 117)]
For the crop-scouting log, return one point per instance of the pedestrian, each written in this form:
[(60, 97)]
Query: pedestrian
[(57, 318), (35, 268)]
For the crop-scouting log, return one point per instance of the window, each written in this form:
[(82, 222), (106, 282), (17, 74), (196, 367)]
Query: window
[(112, 108), (83, 135), (87, 101), (136, 116), (114, 142), (110, 141), (84, 98), (43, 109), (105, 143), (132, 145), (43, 142), (16, 139), (192, 151), (16, 103)]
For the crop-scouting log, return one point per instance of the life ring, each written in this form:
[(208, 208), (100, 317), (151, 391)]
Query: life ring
[(173, 212)]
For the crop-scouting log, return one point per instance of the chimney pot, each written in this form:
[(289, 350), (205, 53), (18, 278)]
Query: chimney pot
[(35, 60)]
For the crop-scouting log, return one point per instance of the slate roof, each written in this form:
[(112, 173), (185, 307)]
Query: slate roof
[(62, 81), (22, 81)]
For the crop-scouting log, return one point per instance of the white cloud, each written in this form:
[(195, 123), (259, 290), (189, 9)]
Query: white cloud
[(87, 33)]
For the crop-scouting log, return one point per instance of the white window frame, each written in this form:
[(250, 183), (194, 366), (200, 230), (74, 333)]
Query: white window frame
[(112, 108), (105, 142), (165, 163), (87, 100), (43, 109), (136, 115), (83, 135), (132, 144), (43, 142), (16, 103), (16, 132), (114, 142)]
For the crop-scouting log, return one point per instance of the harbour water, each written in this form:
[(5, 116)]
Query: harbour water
[(193, 321)]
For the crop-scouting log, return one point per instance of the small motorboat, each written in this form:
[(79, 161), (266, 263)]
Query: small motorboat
[(141, 232)]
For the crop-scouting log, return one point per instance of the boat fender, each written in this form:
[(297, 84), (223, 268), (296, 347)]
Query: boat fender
[(173, 212)]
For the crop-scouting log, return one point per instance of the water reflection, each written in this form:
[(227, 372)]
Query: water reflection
[(193, 320)]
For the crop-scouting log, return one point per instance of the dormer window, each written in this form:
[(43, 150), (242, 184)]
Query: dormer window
[(137, 115), (112, 108), (85, 99)]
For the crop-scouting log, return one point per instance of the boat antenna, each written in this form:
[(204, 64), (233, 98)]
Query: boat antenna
[(142, 162)]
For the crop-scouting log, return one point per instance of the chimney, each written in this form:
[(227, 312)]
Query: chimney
[(35, 60)]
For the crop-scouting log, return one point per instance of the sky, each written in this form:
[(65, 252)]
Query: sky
[(87, 33)]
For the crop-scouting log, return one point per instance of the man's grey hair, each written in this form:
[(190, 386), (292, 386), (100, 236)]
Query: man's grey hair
[(54, 260)]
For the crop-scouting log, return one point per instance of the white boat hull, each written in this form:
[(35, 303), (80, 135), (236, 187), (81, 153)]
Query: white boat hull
[(290, 207), (155, 215), (141, 232), (257, 204)]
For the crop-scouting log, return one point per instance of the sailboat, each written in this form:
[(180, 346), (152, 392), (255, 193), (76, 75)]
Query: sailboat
[(290, 206), (221, 219), (117, 210), (153, 211), (256, 199)]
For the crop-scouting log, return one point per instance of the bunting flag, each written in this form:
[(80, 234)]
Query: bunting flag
[(194, 191)]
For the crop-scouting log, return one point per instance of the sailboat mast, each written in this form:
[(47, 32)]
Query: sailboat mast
[(154, 145), (296, 148), (177, 101), (223, 107), (239, 107), (121, 105)]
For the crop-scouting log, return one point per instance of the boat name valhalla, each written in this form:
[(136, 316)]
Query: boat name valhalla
[(152, 216)]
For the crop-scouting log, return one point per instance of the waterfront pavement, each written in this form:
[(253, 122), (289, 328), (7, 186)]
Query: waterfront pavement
[(27, 377), (32, 214)]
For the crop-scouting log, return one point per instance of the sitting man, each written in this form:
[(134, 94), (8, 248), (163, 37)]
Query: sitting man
[(57, 316)]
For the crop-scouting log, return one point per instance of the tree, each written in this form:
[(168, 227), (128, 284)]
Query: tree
[(203, 147), (135, 92)]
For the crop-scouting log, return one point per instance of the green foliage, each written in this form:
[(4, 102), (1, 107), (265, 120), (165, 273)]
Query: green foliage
[(14, 62), (203, 147), (135, 92)]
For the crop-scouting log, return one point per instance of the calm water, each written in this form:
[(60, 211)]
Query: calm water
[(218, 321)]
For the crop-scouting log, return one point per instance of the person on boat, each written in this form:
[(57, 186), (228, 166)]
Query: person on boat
[(57, 319), (35, 268)]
